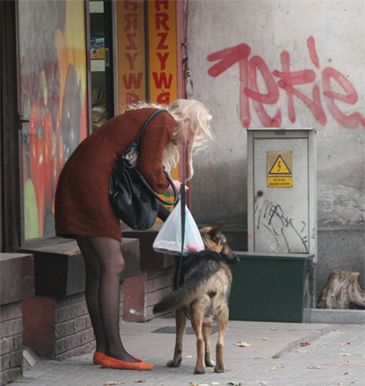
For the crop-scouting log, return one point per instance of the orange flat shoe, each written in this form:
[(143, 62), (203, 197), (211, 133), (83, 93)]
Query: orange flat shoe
[(97, 357), (114, 363)]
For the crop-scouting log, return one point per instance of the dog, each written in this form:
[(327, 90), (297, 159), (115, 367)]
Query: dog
[(202, 294)]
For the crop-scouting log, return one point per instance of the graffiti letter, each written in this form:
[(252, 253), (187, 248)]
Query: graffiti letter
[(227, 58), (272, 95), (350, 97), (289, 79)]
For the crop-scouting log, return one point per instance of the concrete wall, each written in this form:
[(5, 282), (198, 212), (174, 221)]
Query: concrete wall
[(240, 53)]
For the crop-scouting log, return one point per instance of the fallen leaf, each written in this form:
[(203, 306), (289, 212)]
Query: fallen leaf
[(193, 384), (110, 383), (276, 367), (215, 383), (140, 381), (304, 344), (234, 383), (347, 373), (242, 343), (344, 344), (345, 354), (339, 383), (264, 338), (314, 367)]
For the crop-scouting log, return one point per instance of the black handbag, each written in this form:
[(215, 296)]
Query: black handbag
[(132, 198)]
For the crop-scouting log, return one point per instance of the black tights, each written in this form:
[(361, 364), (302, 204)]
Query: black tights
[(104, 263)]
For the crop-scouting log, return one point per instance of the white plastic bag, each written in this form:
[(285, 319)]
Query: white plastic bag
[(168, 239)]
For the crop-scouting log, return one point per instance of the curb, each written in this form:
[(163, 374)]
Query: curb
[(336, 316)]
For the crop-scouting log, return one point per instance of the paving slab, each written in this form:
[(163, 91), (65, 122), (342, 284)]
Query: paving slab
[(276, 354)]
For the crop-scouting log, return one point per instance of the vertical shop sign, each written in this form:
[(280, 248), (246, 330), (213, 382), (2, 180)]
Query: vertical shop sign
[(162, 51), (162, 60), (131, 53)]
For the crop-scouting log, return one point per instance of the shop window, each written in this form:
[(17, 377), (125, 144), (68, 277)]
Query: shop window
[(101, 61), (53, 99)]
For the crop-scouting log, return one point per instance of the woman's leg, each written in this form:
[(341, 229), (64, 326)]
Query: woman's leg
[(92, 268), (112, 263)]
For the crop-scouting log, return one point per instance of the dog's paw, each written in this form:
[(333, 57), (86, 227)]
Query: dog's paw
[(219, 369), (174, 362), (209, 363), (199, 370)]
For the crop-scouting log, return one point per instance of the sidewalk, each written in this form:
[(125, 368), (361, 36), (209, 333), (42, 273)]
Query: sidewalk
[(277, 354)]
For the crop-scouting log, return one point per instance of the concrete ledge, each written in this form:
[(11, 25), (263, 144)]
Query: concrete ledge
[(59, 266), (317, 315), (149, 258), (16, 277)]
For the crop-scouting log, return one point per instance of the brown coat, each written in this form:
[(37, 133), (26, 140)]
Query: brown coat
[(82, 204)]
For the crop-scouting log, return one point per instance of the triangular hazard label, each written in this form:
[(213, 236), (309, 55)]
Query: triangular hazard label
[(279, 167)]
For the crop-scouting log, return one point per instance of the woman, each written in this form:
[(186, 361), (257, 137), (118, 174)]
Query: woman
[(83, 210)]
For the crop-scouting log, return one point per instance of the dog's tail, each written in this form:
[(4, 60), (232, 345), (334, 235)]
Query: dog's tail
[(189, 290)]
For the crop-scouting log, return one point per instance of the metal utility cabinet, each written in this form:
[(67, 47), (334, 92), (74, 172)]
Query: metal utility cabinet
[(282, 227), (281, 191)]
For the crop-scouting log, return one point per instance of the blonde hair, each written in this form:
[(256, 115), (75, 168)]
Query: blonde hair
[(199, 126)]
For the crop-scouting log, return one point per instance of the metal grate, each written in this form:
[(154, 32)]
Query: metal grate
[(172, 330)]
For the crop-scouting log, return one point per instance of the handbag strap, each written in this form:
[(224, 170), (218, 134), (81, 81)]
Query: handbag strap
[(178, 279), (176, 198), (145, 124), (136, 141), (183, 204)]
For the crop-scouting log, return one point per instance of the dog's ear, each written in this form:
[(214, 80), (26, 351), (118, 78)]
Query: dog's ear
[(216, 229)]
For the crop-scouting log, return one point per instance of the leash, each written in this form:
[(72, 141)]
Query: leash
[(182, 214)]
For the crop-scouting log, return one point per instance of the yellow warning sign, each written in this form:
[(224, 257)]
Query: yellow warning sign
[(279, 182), (279, 169)]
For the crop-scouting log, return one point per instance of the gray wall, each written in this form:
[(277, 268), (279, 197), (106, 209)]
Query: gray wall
[(227, 40)]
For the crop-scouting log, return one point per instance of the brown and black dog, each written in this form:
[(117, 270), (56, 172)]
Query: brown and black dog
[(203, 294)]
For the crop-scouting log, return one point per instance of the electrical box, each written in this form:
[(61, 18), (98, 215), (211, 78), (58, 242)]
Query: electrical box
[(281, 180)]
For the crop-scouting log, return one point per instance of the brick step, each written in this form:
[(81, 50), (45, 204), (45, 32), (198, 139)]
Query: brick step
[(16, 284)]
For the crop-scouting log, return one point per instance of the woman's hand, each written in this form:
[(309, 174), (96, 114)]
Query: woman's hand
[(177, 184)]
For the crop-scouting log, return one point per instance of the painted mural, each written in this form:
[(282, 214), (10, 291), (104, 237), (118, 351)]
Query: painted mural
[(52, 50)]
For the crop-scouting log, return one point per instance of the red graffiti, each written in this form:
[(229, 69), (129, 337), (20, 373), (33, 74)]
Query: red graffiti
[(288, 80)]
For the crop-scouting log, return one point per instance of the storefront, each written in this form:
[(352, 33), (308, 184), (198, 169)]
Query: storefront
[(80, 63), (66, 67)]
